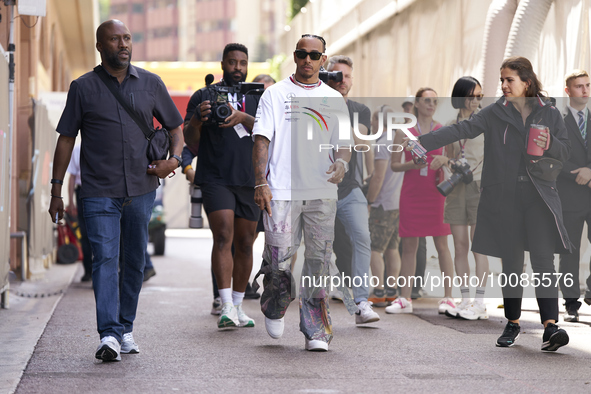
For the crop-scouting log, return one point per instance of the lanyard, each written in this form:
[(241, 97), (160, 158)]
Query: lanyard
[(419, 128), (462, 145)]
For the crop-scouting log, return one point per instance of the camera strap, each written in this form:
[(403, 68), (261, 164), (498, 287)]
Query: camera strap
[(148, 132)]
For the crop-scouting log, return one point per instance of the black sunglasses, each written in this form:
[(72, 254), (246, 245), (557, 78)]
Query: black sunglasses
[(477, 97), (301, 54)]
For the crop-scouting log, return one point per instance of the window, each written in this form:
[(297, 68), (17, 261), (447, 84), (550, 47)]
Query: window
[(138, 37), (137, 8)]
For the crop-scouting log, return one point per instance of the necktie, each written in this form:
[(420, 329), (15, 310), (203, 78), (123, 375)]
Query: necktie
[(582, 126)]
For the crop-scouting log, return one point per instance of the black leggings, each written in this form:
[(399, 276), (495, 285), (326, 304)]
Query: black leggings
[(533, 225)]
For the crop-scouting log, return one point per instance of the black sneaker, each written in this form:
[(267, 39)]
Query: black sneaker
[(148, 273), (510, 335), (571, 315), (572, 310), (250, 294), (554, 337)]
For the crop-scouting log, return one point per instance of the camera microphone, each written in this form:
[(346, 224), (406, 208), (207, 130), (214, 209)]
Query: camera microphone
[(208, 79)]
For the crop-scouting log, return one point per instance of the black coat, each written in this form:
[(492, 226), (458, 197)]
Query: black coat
[(504, 139), (575, 197)]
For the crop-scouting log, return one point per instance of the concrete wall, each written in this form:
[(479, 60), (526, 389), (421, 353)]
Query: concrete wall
[(399, 46)]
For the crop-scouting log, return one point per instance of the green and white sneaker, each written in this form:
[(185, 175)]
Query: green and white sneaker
[(243, 319), (228, 316)]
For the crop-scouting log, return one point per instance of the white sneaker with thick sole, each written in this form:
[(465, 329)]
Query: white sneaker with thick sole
[(244, 320), (400, 305), (228, 316), (128, 345), (314, 345), (455, 312), (476, 311), (446, 304), (274, 327), (365, 313), (109, 349)]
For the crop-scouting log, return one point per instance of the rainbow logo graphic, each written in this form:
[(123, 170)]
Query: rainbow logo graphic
[(316, 119)]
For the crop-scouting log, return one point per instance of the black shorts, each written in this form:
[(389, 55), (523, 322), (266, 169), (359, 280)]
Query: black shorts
[(239, 199)]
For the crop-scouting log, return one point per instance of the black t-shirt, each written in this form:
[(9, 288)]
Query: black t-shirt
[(354, 177), (224, 157)]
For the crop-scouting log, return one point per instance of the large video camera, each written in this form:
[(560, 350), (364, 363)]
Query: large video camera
[(220, 108), (326, 76), (196, 221), (461, 172)]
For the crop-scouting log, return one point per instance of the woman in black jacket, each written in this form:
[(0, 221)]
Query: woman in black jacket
[(518, 211)]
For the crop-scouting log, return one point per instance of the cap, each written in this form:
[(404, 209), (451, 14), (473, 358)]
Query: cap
[(409, 99)]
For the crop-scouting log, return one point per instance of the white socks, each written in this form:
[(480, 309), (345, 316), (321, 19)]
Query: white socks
[(229, 295), (226, 295), (237, 297)]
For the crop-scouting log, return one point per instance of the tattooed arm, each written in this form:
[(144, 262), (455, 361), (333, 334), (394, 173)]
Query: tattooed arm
[(260, 156), (165, 167)]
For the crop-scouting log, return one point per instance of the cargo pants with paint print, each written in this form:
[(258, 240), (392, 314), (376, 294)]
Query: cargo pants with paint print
[(283, 234)]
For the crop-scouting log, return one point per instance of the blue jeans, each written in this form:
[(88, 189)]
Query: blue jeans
[(109, 222), (352, 212)]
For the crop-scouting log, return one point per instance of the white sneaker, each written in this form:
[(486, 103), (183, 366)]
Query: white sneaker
[(365, 313), (455, 312), (274, 327), (216, 306), (228, 316), (315, 345), (109, 349), (243, 319), (128, 345), (400, 305), (476, 311), (446, 304)]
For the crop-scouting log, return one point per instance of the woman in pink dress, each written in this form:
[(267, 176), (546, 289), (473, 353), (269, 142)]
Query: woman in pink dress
[(421, 206)]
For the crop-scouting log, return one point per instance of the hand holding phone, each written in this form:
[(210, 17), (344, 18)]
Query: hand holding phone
[(419, 153)]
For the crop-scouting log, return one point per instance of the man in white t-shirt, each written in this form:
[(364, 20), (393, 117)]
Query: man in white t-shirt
[(299, 126)]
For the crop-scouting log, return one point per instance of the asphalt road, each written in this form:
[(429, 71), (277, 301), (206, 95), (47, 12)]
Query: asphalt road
[(182, 350)]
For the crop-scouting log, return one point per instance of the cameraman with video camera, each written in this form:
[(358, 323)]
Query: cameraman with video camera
[(220, 118)]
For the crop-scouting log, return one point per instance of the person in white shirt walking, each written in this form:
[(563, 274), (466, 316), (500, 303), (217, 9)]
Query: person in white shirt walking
[(296, 176)]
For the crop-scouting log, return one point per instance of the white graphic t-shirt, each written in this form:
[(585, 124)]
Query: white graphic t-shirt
[(304, 124)]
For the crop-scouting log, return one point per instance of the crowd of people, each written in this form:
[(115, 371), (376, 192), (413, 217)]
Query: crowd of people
[(264, 166)]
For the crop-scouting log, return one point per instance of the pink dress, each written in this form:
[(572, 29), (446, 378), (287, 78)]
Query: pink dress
[(421, 205)]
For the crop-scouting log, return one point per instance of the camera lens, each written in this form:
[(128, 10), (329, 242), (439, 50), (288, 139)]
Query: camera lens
[(448, 185), (223, 111)]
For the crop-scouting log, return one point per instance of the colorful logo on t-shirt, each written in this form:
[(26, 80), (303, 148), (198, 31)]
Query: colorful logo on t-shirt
[(315, 118)]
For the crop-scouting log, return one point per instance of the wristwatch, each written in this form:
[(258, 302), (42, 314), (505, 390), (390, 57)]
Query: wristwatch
[(177, 159), (344, 163)]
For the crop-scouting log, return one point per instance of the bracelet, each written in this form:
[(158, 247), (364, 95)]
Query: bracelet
[(188, 167), (264, 184), (58, 181), (52, 196)]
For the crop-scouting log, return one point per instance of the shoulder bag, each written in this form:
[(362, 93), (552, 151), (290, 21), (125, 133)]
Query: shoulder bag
[(158, 139)]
